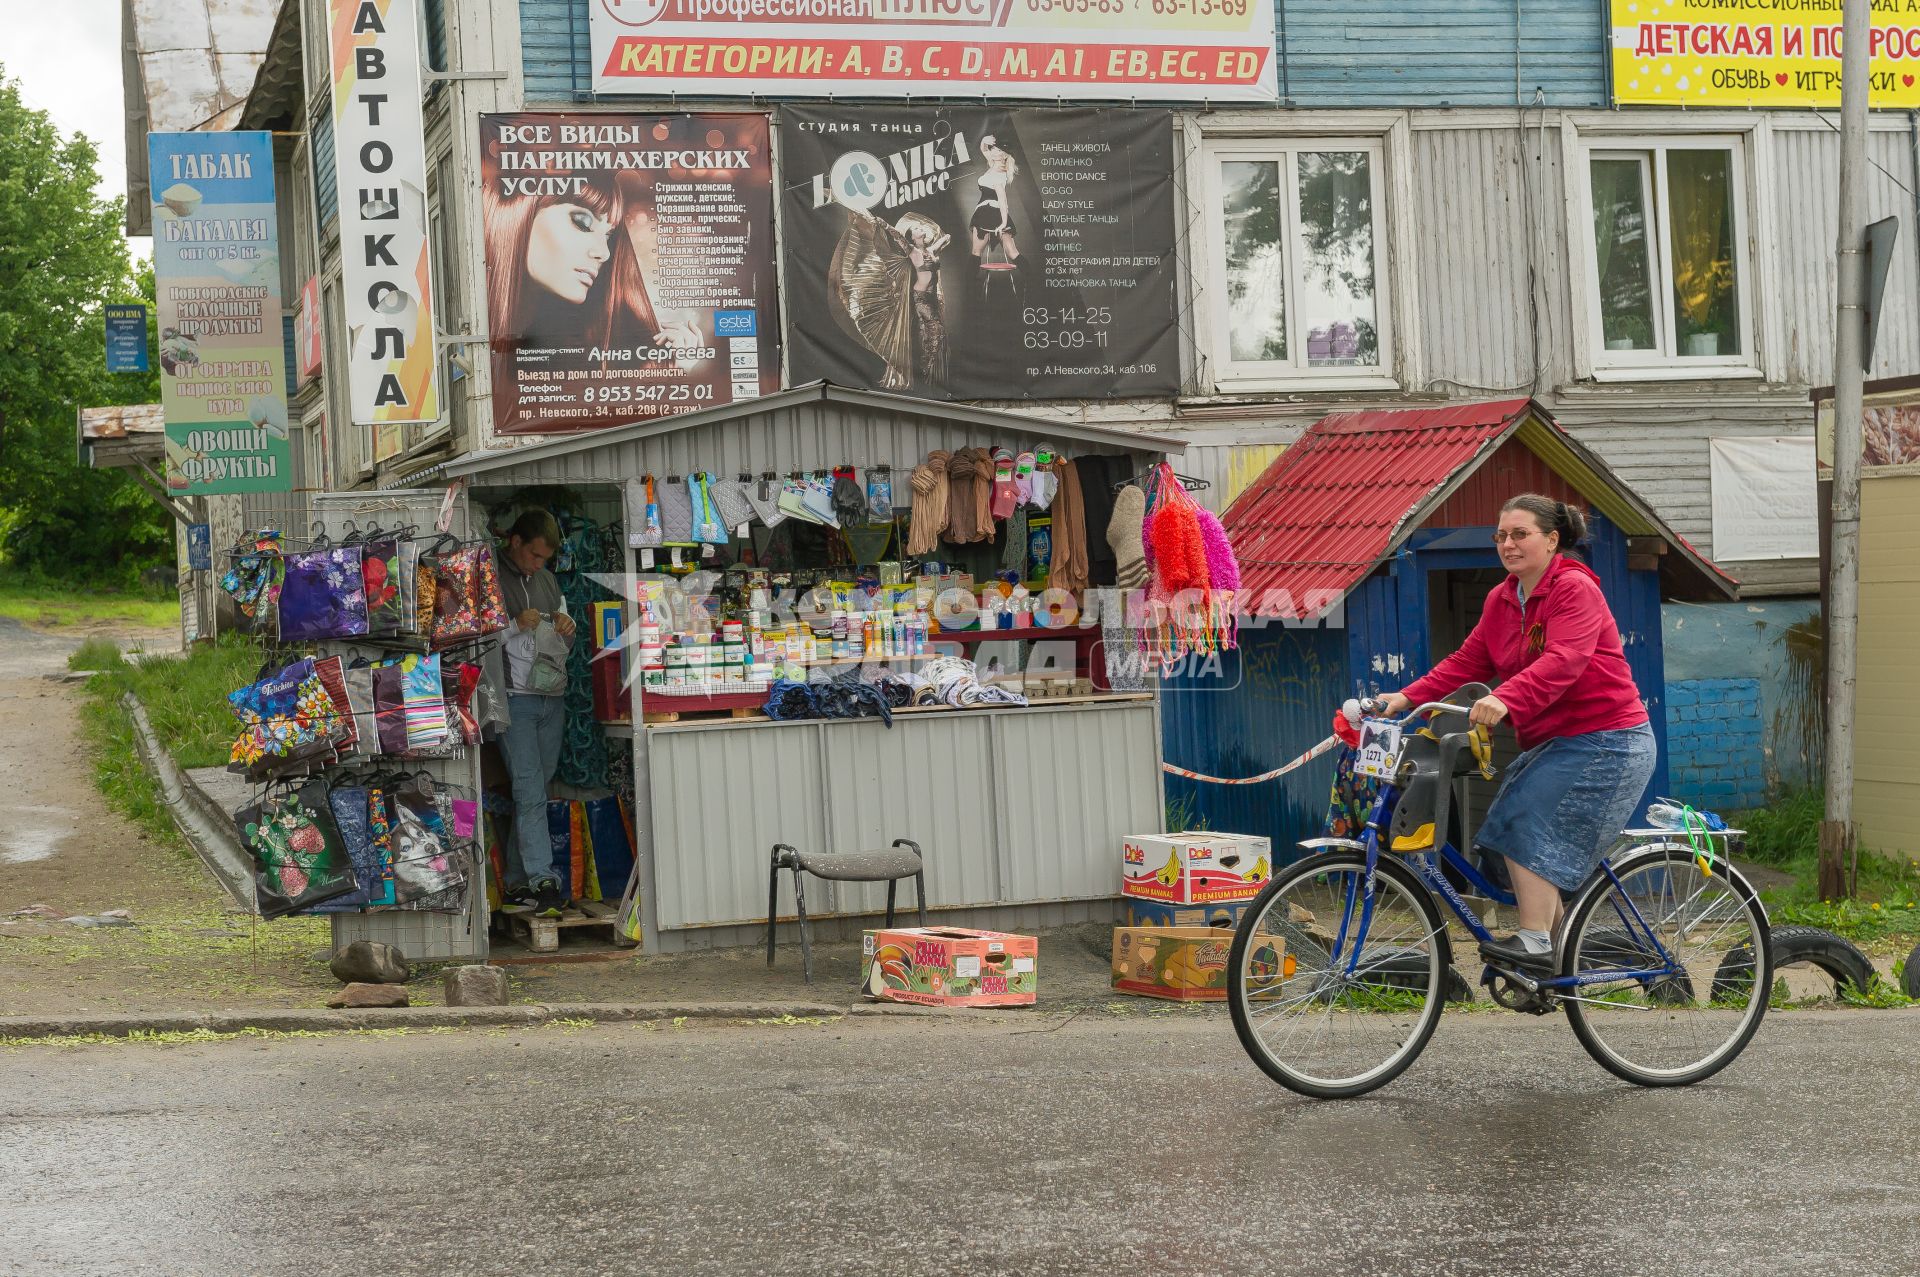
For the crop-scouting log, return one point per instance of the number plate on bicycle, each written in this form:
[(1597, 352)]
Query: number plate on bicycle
[(1379, 752)]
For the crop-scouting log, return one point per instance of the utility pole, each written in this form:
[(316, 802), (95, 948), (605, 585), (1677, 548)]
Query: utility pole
[(1838, 833)]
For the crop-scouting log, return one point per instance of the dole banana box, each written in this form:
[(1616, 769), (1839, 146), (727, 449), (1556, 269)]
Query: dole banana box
[(1195, 868), (1184, 964), (949, 967), (1224, 914)]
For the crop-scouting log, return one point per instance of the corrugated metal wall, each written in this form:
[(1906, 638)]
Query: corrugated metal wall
[(1011, 805), (799, 437), (1441, 52), (1808, 166), (1271, 699)]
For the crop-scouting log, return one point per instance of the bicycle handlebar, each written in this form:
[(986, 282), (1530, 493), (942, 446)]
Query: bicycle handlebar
[(1372, 704)]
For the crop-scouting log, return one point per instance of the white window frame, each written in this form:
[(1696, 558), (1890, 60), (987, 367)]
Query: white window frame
[(1592, 360), (1226, 375)]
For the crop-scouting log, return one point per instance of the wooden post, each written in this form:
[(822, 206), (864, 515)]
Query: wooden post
[(1838, 833)]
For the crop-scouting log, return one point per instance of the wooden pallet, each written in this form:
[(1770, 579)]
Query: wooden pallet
[(542, 935)]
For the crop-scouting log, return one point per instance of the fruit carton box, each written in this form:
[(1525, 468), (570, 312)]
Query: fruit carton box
[(949, 967), (1183, 964), (1195, 868)]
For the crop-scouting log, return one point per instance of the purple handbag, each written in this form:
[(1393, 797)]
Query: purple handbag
[(324, 595)]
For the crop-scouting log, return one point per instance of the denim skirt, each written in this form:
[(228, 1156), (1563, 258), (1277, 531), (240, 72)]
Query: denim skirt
[(1563, 803)]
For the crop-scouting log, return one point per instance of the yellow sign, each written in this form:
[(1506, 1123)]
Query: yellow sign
[(1779, 53)]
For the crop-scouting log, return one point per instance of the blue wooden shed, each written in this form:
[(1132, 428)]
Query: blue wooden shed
[(1366, 552)]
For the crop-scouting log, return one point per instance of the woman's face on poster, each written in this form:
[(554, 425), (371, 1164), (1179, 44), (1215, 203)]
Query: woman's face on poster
[(567, 246)]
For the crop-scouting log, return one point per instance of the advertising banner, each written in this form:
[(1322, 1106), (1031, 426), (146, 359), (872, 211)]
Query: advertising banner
[(1890, 432), (629, 266), (1764, 498), (216, 272), (1078, 50), (380, 156), (127, 339), (980, 253), (1756, 53), (306, 330)]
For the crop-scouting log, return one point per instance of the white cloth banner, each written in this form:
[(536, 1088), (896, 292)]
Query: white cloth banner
[(1764, 498)]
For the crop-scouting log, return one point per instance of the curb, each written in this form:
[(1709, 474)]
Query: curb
[(332, 1021)]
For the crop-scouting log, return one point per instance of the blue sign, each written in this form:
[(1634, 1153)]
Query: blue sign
[(127, 339), (199, 548), (733, 323)]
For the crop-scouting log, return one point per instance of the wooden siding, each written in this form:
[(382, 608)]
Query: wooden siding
[(1441, 53), (554, 50), (1886, 778)]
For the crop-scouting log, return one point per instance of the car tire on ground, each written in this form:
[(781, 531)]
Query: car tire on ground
[(1840, 958)]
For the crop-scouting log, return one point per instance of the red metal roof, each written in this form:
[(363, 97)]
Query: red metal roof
[(1327, 510)]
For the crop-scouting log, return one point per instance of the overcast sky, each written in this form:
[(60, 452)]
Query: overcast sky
[(66, 56)]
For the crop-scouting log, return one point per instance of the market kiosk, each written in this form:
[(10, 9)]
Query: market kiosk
[(1019, 807)]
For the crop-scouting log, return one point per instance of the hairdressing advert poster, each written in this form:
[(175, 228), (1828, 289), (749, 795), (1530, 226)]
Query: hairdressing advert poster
[(981, 253), (629, 267)]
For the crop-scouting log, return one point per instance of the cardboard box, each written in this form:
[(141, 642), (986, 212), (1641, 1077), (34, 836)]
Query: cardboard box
[(1195, 868), (1222, 914), (1184, 964), (949, 967)]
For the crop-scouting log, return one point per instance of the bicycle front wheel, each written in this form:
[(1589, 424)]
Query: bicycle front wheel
[(1330, 998), (1694, 970)]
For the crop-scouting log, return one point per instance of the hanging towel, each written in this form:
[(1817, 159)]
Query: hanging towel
[(764, 496), (1126, 532), (730, 498), (1069, 532), (929, 483), (676, 511), (643, 514), (1100, 474)]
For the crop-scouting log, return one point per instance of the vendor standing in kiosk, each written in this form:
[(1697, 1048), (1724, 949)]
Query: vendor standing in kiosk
[(536, 647)]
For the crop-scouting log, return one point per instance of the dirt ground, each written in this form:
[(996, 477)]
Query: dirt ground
[(189, 949)]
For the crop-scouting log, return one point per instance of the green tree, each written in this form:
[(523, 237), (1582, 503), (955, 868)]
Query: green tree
[(62, 259)]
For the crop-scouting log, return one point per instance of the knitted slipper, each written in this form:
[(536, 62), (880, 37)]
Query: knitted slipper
[(1005, 496)]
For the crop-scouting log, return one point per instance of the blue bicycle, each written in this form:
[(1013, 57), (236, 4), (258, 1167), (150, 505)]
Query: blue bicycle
[(1341, 966)]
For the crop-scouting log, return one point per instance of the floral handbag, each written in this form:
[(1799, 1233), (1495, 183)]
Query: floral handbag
[(324, 595), (254, 579), (466, 585), (286, 716), (380, 570), (299, 860)]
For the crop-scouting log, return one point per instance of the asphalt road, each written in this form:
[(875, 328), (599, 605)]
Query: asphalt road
[(1139, 1145)]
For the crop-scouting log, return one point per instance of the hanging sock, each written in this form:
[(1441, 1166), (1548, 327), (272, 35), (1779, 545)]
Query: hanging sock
[(1005, 491)]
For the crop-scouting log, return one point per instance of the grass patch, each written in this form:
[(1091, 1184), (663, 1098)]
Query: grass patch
[(96, 654), (186, 700), (1785, 835), (53, 605)]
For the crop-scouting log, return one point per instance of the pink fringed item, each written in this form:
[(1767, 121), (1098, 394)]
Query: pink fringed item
[(1223, 571)]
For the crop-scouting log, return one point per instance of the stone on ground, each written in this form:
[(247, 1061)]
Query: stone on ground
[(476, 986), (370, 995), (369, 962)]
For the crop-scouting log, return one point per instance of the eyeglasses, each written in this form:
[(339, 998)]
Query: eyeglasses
[(1516, 536)]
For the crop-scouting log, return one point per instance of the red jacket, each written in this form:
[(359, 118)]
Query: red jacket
[(1560, 667)]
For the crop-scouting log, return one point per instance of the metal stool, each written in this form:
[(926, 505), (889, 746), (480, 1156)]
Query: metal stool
[(857, 866)]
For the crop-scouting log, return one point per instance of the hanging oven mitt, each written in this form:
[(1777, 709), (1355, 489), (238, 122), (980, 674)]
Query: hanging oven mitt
[(707, 527), (643, 514), (676, 511)]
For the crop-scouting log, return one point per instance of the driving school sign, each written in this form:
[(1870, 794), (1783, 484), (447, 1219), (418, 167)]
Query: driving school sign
[(1115, 50), (1757, 53), (381, 157)]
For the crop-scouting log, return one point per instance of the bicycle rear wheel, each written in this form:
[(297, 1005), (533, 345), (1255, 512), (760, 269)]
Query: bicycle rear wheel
[(1688, 1013), (1325, 1007)]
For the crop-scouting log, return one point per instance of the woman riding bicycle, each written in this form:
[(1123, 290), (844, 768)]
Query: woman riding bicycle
[(1548, 636)]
